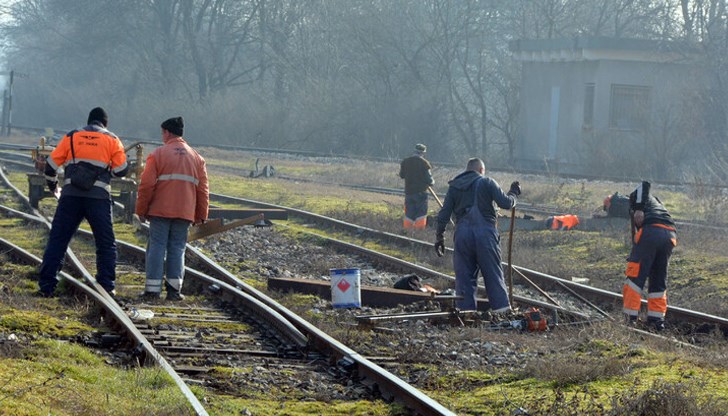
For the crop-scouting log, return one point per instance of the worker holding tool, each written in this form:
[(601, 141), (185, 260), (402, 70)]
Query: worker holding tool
[(472, 197), (90, 157), (416, 172), (654, 238), (173, 194)]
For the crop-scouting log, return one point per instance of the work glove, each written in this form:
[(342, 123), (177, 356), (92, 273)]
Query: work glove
[(52, 185), (440, 245), (515, 188)]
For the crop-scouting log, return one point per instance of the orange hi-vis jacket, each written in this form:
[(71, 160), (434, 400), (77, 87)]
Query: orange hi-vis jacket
[(174, 184), (94, 145), (563, 222)]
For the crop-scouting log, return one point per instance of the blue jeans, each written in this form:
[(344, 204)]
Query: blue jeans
[(70, 212), (166, 251)]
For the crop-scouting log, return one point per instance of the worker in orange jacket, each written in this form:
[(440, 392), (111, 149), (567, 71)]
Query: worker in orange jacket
[(90, 157), (652, 246), (173, 194)]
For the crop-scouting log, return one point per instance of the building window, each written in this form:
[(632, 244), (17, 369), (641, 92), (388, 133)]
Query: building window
[(588, 106), (629, 107)]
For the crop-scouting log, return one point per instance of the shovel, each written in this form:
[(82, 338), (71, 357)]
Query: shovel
[(437, 198)]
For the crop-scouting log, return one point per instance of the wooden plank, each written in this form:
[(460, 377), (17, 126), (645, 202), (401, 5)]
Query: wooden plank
[(370, 295)]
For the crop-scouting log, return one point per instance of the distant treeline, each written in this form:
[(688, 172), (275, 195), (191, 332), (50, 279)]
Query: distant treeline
[(368, 77)]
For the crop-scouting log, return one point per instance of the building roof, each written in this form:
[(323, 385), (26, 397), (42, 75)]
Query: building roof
[(585, 48)]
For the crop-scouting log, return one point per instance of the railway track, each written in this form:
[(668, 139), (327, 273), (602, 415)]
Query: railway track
[(191, 361), (692, 320), (307, 153), (228, 324), (688, 320), (18, 157)]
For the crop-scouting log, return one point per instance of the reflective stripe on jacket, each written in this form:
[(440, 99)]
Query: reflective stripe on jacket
[(174, 184)]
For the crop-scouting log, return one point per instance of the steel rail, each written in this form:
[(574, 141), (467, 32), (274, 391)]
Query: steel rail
[(524, 207), (25, 166), (232, 293), (100, 295), (138, 341), (16, 156), (673, 312), (545, 211), (312, 153), (386, 381), (251, 303)]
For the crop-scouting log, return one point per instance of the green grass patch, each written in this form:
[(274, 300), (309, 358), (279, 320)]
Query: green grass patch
[(29, 238), (32, 322), (65, 379), (305, 408)]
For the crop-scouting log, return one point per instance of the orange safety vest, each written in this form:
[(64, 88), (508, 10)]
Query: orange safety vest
[(563, 222), (94, 145)]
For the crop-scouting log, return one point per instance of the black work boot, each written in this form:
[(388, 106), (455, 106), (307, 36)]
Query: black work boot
[(151, 295), (173, 294), (656, 324)]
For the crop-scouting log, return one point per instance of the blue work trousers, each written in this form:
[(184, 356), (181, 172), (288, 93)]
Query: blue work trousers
[(477, 248), (70, 212), (166, 253)]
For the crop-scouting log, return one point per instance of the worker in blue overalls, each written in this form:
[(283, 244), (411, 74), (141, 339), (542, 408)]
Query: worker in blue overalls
[(472, 197)]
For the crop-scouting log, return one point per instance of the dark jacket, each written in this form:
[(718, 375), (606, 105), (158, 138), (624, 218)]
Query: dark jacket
[(415, 170), (460, 197), (655, 212)]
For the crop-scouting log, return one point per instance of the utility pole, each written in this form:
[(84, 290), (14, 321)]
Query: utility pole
[(5, 112), (10, 104), (8, 101)]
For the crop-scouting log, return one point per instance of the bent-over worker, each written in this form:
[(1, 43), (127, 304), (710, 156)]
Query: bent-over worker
[(654, 239)]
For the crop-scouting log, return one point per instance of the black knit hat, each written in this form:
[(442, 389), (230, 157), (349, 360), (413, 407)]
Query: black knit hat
[(174, 125), (98, 114)]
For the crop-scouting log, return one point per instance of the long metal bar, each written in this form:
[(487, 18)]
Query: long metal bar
[(535, 286), (583, 299), (415, 315), (510, 263)]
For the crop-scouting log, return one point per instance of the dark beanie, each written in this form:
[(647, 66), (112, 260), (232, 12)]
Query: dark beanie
[(174, 125), (98, 114)]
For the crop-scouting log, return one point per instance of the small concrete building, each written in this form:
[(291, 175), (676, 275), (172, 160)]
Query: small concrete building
[(591, 105)]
